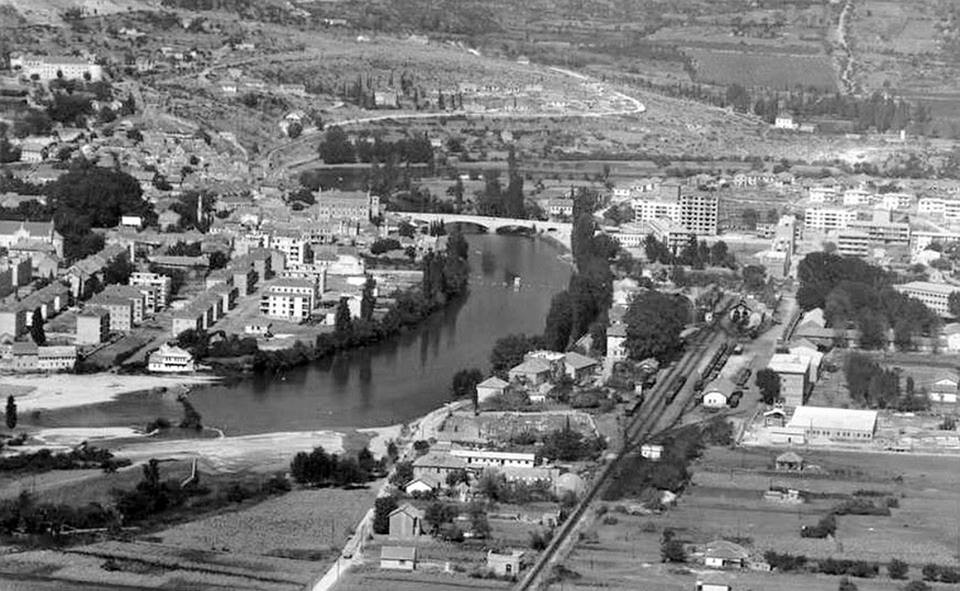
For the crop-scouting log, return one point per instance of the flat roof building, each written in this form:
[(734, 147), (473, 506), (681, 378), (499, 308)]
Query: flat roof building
[(835, 423), (935, 296)]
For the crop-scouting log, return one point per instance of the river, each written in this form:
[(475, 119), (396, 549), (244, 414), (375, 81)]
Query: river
[(410, 375), (389, 383)]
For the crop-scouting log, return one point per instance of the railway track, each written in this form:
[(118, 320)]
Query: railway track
[(662, 409)]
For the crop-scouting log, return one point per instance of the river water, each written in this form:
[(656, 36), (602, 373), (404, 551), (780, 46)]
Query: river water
[(386, 384), (410, 375)]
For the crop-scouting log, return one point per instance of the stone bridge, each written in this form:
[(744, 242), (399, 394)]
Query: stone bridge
[(558, 230)]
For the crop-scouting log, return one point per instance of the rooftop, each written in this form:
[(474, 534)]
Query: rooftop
[(398, 553), (833, 418), (940, 288), (787, 363)]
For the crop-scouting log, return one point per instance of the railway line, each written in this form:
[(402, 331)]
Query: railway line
[(667, 402)]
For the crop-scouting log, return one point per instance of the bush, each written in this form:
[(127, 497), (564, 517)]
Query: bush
[(383, 245), (825, 527), (383, 507), (897, 569), (158, 424), (785, 562), (917, 586), (539, 540)]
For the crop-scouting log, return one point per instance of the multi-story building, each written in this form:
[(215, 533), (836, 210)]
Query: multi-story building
[(124, 292), (853, 243), (145, 279), (793, 372), (671, 233), (895, 201), (120, 309), (699, 213), (560, 207), (881, 230), (291, 299), (827, 219), (356, 206), (821, 195), (295, 248), (186, 319), (785, 235), (56, 358), (13, 321), (854, 197), (93, 326), (170, 359), (948, 209), (935, 296), (51, 67), (645, 210)]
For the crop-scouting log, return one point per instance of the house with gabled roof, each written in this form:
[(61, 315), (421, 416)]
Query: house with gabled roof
[(406, 522)]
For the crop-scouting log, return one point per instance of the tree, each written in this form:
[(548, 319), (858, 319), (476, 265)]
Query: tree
[(754, 277), (118, 271), (672, 550), (654, 323), (368, 300), (846, 585), (392, 452), (402, 473), (769, 384), (11, 413), (465, 383), (36, 329), (336, 147), (898, 569), (382, 508), (455, 477), (343, 322), (191, 418), (954, 304), (750, 218), (509, 351), (438, 514), (917, 586), (559, 324)]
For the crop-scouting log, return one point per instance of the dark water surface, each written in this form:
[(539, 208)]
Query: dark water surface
[(410, 375)]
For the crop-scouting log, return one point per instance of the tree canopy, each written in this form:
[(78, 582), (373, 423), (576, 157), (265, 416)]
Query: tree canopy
[(654, 323)]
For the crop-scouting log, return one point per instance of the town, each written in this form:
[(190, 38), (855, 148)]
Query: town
[(297, 296)]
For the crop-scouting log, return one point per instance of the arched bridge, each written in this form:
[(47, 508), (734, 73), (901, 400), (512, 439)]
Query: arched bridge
[(558, 230)]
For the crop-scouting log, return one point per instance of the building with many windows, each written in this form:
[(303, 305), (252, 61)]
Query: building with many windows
[(289, 299), (51, 67), (170, 359), (699, 213), (935, 296), (645, 210), (853, 243), (827, 219), (162, 282), (356, 206), (93, 326)]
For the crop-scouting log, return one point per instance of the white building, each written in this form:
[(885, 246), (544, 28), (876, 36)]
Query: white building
[(820, 195), (51, 67), (935, 296), (834, 423), (289, 299), (170, 359), (161, 282), (498, 459), (56, 358), (645, 210), (827, 219), (294, 247)]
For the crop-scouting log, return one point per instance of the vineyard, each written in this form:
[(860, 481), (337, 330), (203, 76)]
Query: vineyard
[(777, 71)]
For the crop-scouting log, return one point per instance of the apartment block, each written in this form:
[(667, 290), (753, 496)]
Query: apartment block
[(827, 219), (162, 282), (699, 213), (935, 296)]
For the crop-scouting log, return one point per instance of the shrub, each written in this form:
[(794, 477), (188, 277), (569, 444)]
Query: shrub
[(897, 569), (917, 586), (785, 562), (671, 550), (158, 424)]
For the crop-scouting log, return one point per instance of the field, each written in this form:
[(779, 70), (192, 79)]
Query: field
[(725, 501), (305, 522), (777, 71)]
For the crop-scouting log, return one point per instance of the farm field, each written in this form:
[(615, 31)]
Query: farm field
[(778, 71), (724, 500), (304, 522)]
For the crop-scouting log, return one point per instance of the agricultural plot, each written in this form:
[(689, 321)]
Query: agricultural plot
[(308, 523), (724, 500), (777, 71)]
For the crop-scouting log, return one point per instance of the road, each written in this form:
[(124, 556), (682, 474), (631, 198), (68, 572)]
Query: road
[(656, 414), (277, 171)]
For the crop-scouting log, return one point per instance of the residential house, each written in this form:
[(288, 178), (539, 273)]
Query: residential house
[(809, 353), (616, 342), (25, 356), (398, 558), (423, 485), (490, 388), (532, 372), (724, 554), (951, 333), (504, 563), (579, 367), (651, 451), (12, 231), (437, 464), (406, 522), (710, 586), (944, 388)]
